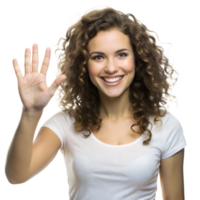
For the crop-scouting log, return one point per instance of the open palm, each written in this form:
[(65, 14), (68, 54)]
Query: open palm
[(33, 89)]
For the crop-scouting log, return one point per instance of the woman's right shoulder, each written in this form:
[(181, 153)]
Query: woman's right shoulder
[(59, 117)]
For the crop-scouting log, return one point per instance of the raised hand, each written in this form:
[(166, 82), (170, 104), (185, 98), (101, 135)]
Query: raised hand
[(33, 89)]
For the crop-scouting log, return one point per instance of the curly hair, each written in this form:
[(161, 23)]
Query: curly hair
[(80, 97)]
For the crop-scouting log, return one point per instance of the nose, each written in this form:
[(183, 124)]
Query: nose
[(111, 66)]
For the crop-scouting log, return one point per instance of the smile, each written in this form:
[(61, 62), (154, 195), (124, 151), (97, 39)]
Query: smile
[(112, 81)]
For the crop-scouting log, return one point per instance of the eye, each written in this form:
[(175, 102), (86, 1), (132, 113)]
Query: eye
[(96, 57), (122, 54)]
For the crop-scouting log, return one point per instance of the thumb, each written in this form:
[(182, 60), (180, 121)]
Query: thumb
[(54, 86)]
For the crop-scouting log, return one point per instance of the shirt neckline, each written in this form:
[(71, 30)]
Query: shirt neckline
[(116, 146)]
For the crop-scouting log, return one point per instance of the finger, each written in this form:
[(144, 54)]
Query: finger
[(17, 69), (56, 84), (46, 61), (27, 62), (35, 60)]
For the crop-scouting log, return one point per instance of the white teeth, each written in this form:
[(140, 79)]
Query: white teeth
[(112, 79)]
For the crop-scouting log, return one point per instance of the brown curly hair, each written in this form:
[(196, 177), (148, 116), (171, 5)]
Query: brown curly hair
[(80, 97)]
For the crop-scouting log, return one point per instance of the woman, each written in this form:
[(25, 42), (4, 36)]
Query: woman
[(113, 82)]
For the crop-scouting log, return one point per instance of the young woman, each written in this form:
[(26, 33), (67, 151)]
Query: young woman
[(113, 77)]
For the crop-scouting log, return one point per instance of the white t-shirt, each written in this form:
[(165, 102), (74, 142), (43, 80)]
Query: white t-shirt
[(100, 171)]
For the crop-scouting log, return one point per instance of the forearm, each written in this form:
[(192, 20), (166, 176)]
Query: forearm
[(20, 150)]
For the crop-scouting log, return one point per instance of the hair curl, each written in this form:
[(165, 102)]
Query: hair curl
[(80, 97)]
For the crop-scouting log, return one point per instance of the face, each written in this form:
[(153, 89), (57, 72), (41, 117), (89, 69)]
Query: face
[(111, 55)]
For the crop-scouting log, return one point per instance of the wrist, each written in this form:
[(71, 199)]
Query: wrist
[(32, 113)]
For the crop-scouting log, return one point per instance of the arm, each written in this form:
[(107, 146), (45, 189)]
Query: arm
[(20, 150), (25, 159), (171, 177)]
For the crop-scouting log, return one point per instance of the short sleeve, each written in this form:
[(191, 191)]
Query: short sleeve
[(175, 139), (54, 123)]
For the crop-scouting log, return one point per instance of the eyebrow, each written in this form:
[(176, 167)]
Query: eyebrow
[(99, 52)]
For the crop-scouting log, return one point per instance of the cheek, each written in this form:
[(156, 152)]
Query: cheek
[(93, 71), (129, 65)]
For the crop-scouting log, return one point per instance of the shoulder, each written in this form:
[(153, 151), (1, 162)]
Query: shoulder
[(171, 121), (167, 123), (59, 116)]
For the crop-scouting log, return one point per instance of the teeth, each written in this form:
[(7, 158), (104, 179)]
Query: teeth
[(112, 79)]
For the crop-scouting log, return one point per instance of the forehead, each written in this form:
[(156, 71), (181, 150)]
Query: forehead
[(112, 39)]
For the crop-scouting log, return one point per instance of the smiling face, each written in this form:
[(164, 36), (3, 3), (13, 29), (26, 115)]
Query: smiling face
[(111, 54)]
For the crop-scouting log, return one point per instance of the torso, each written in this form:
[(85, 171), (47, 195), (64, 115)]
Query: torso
[(118, 133)]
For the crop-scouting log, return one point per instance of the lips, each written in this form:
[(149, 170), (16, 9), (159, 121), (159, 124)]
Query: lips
[(111, 77), (112, 84)]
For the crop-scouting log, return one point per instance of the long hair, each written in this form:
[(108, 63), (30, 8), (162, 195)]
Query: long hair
[(79, 97)]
